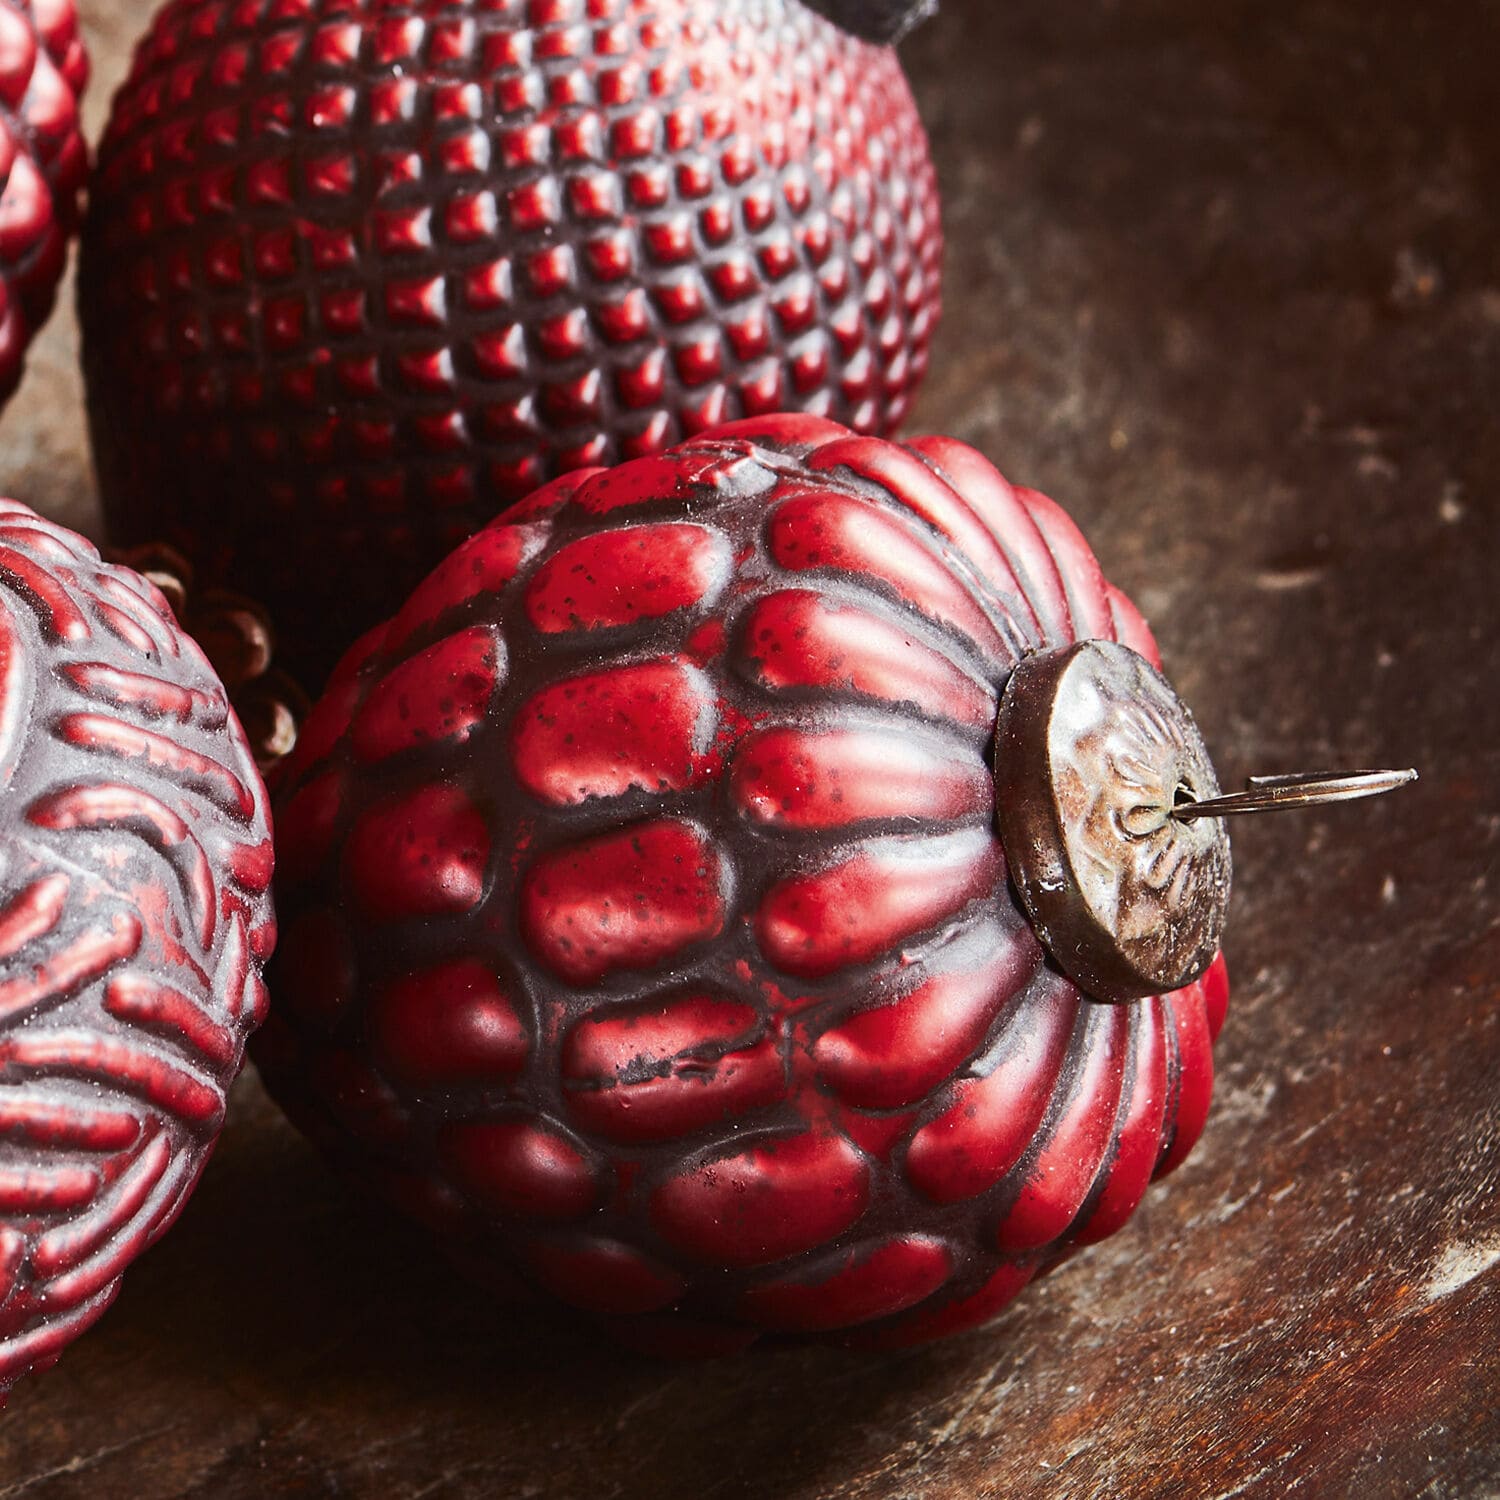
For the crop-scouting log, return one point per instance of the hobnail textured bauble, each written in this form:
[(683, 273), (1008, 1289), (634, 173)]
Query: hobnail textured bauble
[(135, 917), (358, 272), (43, 162), (647, 929)]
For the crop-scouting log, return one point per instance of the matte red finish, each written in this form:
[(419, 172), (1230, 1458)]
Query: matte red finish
[(135, 917), (363, 271), (887, 1279), (43, 163), (738, 1026)]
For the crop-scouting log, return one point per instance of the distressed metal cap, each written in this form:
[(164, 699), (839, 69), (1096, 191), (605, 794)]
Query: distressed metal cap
[(1093, 753), (881, 21)]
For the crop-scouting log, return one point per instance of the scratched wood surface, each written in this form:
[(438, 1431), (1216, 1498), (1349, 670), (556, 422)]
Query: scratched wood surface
[(1226, 279)]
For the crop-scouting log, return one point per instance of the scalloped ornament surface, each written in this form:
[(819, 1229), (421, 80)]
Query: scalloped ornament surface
[(647, 930), (135, 918), (43, 164), (367, 270)]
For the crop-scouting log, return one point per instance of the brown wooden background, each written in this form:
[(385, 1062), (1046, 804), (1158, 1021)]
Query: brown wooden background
[(1226, 279)]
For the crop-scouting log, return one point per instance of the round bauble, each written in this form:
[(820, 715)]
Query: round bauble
[(354, 277), (43, 163), (648, 931), (135, 917)]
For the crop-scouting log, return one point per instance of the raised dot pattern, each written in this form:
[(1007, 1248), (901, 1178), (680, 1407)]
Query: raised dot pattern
[(135, 919), (43, 163), (383, 267), (700, 997)]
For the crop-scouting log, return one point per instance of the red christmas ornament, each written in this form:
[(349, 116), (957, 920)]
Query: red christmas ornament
[(43, 162), (135, 917), (648, 931), (358, 275)]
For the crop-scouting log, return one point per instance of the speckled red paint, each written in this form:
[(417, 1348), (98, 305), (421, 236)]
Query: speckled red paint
[(731, 1024)]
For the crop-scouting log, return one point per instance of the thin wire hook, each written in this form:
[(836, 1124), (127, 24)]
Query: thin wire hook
[(1299, 789)]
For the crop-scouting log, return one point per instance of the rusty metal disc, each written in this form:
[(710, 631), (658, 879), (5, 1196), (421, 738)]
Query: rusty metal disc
[(1093, 752)]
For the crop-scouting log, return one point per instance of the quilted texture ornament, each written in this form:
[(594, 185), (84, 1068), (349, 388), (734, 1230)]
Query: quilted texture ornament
[(648, 931)]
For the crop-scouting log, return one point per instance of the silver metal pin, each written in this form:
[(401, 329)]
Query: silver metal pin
[(1298, 789)]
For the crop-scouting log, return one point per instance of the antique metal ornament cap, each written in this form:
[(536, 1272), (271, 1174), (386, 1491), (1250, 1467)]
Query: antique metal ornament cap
[(880, 21), (1093, 754)]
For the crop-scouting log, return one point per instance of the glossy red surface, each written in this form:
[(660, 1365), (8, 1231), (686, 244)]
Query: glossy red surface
[(602, 734), (449, 1024)]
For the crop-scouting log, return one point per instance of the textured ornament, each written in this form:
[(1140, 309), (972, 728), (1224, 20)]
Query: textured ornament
[(43, 161), (356, 275), (647, 928), (135, 918)]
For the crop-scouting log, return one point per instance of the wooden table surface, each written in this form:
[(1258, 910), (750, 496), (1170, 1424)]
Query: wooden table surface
[(1225, 279)]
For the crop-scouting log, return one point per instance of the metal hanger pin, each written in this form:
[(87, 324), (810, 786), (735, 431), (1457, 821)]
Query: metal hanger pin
[(1297, 789)]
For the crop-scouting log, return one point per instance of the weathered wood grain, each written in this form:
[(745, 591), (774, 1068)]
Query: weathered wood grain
[(1226, 280)]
